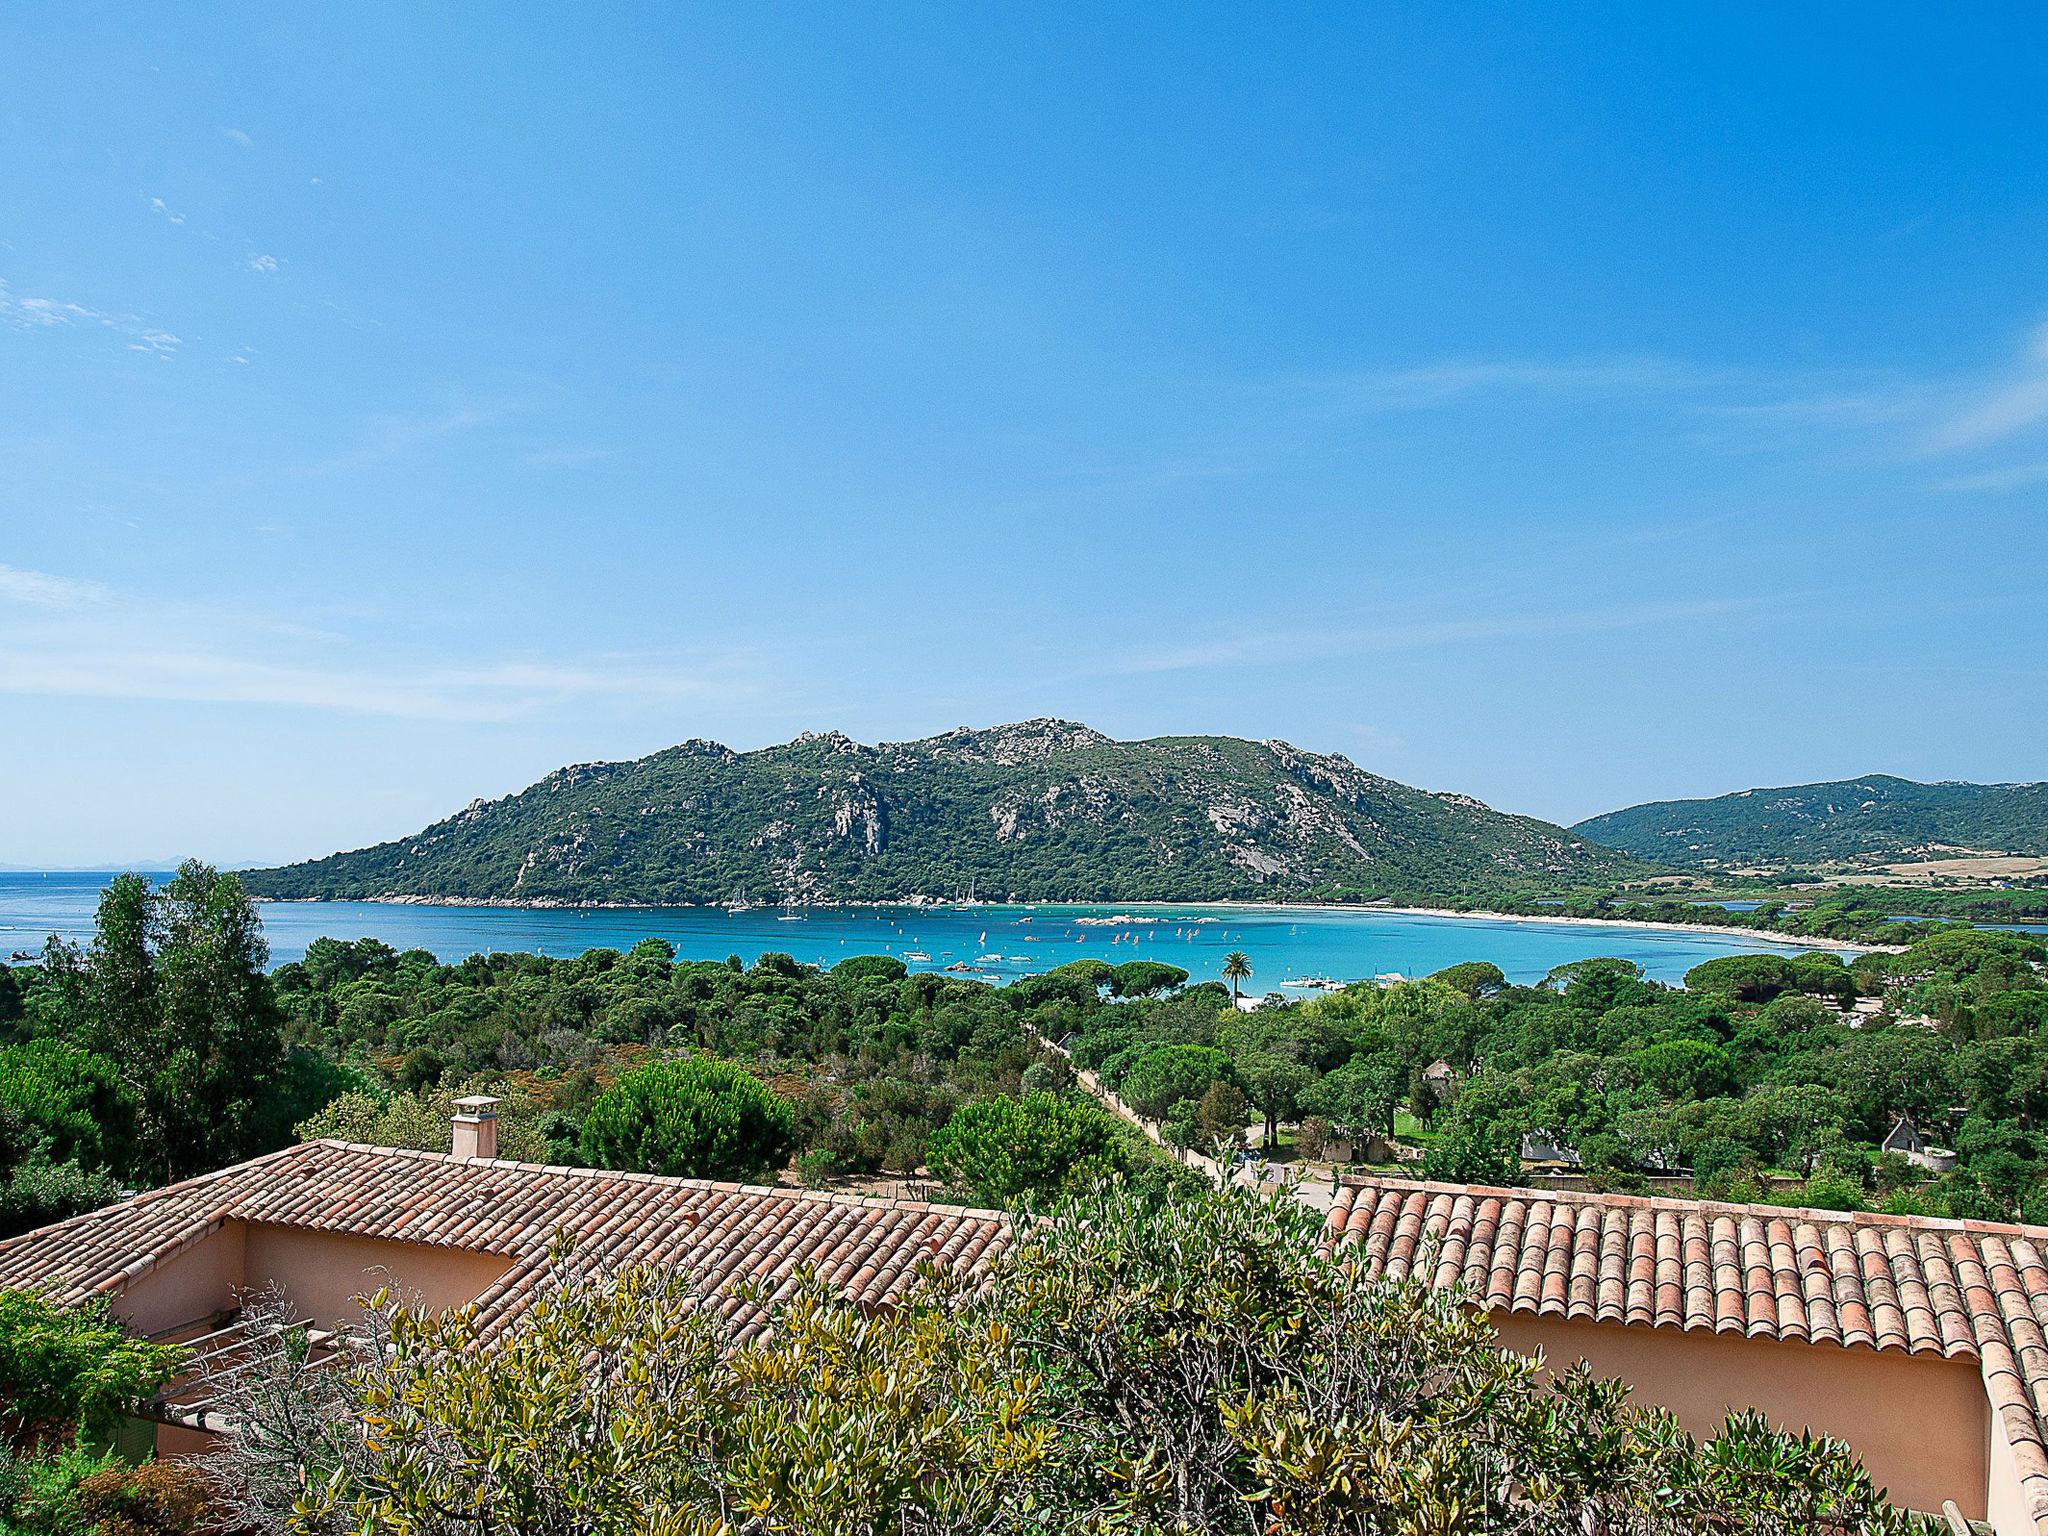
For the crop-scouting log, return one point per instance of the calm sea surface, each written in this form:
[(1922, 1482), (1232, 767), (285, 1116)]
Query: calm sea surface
[(998, 942)]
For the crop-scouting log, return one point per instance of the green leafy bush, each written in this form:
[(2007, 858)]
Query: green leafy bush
[(693, 1117), (1005, 1150), (1166, 1074), (66, 1369)]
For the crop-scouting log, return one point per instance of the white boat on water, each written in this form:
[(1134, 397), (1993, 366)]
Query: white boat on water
[(915, 954)]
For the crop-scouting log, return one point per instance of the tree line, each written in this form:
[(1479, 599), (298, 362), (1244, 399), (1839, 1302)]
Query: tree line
[(166, 1047)]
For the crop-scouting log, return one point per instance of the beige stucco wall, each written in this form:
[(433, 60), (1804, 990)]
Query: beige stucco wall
[(195, 1284), (2005, 1507), (1921, 1424), (323, 1272)]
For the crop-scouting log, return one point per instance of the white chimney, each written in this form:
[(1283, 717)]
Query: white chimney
[(476, 1126)]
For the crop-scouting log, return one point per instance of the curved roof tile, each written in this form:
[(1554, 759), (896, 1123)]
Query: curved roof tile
[(1909, 1284)]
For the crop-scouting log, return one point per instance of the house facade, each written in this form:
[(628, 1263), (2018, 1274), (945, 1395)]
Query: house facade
[(1919, 1342)]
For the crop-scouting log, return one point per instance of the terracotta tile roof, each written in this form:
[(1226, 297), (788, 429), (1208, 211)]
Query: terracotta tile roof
[(1973, 1290), (1967, 1289), (866, 1248)]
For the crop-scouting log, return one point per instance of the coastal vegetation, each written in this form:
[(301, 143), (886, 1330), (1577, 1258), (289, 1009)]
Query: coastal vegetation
[(1042, 1398), (1839, 914), (1765, 1076)]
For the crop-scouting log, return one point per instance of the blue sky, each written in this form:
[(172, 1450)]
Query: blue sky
[(1569, 408)]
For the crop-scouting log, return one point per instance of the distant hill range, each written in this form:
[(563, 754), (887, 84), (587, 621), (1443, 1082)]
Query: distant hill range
[(1044, 810), (1850, 820)]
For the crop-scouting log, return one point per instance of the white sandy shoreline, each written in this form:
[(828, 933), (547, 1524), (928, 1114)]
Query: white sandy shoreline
[(1768, 935)]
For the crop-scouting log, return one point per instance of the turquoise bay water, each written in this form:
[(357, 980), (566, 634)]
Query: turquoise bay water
[(999, 943)]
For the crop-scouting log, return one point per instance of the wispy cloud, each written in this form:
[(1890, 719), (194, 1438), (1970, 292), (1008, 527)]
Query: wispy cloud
[(1883, 417), (390, 436), (268, 266), (2012, 478), (1437, 383), (238, 136), (39, 589), (159, 206), (472, 694), (68, 638), (25, 312), (1275, 647), (2007, 407), (559, 458)]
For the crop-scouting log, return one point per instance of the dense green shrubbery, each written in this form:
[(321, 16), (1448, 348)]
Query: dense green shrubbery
[(692, 1117), (64, 1370), (65, 1373), (154, 1053), (1001, 1151), (1754, 1077)]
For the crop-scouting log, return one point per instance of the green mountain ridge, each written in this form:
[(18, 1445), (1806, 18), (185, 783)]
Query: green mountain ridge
[(1844, 820), (1042, 810)]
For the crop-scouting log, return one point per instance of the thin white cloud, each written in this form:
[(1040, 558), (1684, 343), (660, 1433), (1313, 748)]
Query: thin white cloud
[(385, 437), (2012, 478), (65, 638), (238, 136), (1896, 415), (2010, 406), (1275, 647), (38, 313), (159, 206), (267, 265), (1430, 384), (460, 694), (39, 589)]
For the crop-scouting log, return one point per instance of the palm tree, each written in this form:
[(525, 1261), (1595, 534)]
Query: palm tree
[(1237, 966)]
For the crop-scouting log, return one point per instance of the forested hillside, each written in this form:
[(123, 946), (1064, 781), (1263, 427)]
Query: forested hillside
[(1044, 810), (1879, 817)]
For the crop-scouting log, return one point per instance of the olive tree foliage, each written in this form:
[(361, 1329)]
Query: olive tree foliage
[(624, 1406), (1133, 1365)]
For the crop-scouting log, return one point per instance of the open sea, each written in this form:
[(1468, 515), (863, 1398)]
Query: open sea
[(996, 943)]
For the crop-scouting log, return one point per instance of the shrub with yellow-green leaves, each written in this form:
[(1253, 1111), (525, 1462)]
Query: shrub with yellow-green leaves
[(622, 1405)]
